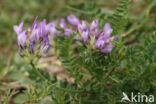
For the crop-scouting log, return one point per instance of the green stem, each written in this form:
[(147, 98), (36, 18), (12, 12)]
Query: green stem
[(53, 85), (38, 73)]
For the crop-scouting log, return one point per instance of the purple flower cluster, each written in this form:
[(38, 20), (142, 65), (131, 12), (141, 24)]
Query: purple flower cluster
[(37, 38), (102, 39)]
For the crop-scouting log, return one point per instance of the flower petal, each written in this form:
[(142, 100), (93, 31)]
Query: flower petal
[(42, 28), (115, 37), (85, 36), (63, 23), (72, 19), (35, 34), (83, 26), (22, 38), (31, 45), (107, 30), (68, 32), (35, 22), (94, 27), (108, 48), (18, 29), (51, 28), (100, 42)]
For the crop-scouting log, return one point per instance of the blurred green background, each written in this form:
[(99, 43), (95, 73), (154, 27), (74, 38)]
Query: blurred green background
[(141, 19)]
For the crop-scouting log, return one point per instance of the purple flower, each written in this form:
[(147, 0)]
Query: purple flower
[(83, 26), (112, 39), (31, 46), (68, 31), (38, 30), (22, 38), (51, 28), (101, 33), (45, 40), (94, 27), (100, 42), (83, 29), (18, 29), (107, 30), (104, 38), (42, 28), (85, 36), (108, 48), (63, 23), (72, 19), (38, 35), (45, 44), (115, 37), (35, 22), (35, 33)]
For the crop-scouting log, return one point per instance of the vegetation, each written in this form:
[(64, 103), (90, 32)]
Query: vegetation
[(93, 77)]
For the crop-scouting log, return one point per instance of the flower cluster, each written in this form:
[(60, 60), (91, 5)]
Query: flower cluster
[(91, 34), (37, 40)]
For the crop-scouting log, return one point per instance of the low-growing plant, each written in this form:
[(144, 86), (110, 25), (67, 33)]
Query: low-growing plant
[(95, 54)]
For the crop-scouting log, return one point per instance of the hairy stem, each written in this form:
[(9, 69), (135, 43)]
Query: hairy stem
[(38, 73), (53, 85)]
